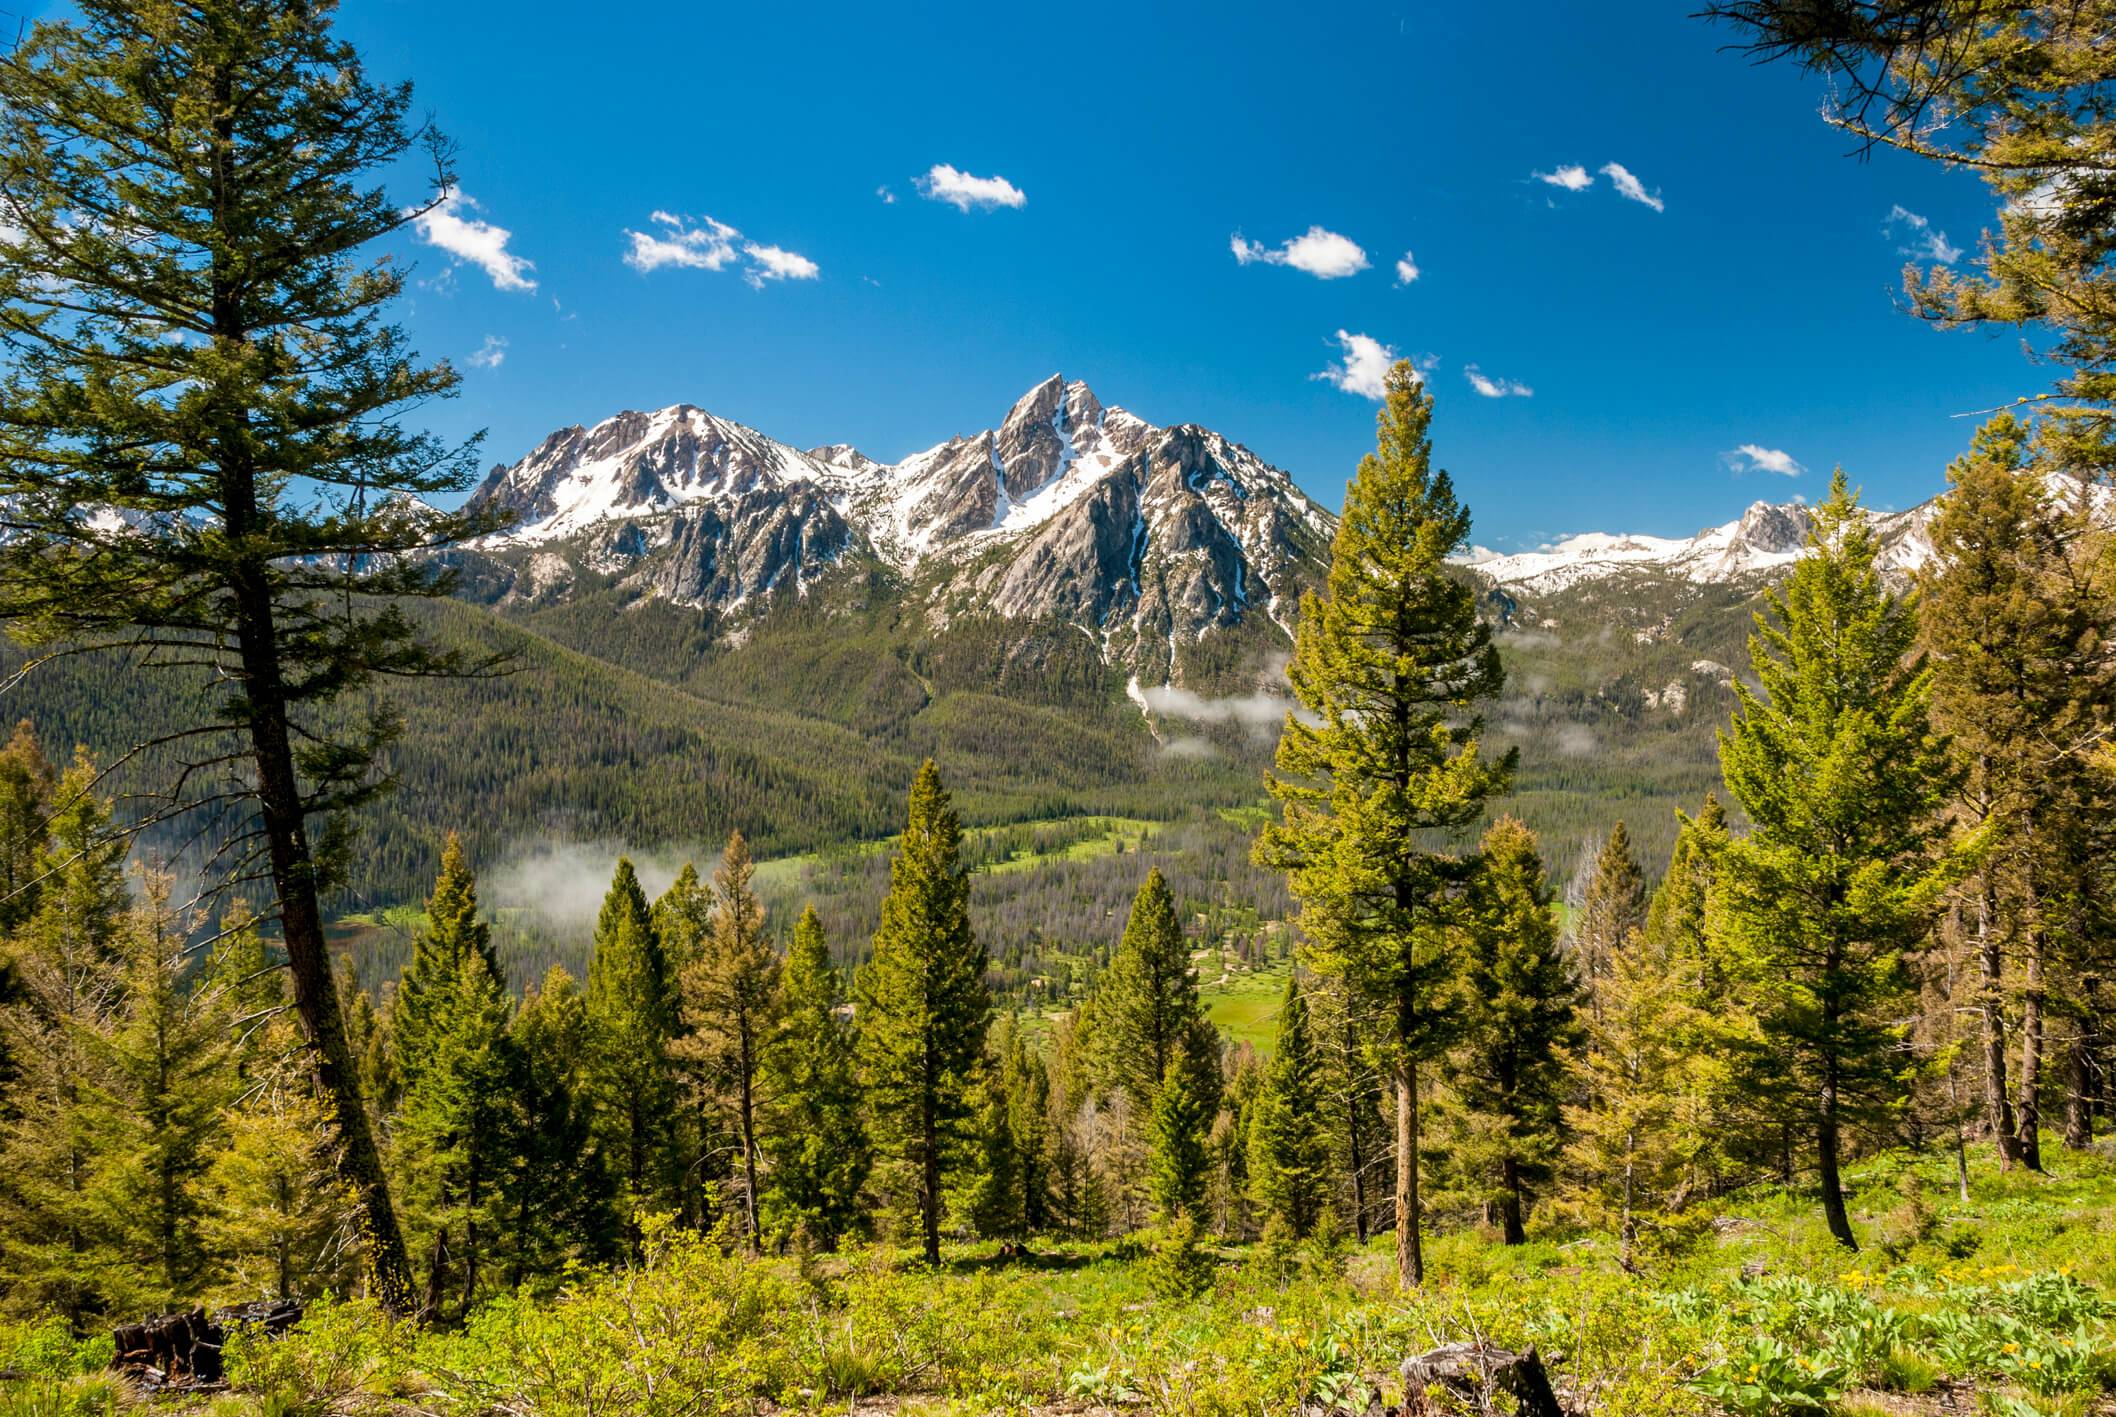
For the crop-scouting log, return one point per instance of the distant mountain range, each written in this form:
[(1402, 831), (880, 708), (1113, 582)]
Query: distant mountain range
[(1762, 541), (1150, 540)]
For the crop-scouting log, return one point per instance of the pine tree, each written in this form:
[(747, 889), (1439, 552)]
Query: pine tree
[(730, 998), (1148, 1007), (1389, 662), (815, 1138), (1181, 1163), (452, 932), (993, 1198), (167, 1067), (556, 1188), (2015, 614), (1289, 1150), (448, 1147), (1615, 908), (683, 918), (1646, 1121), (1028, 1089), (1519, 1022), (218, 369), (923, 1002), (1841, 774), (630, 1014), (69, 959)]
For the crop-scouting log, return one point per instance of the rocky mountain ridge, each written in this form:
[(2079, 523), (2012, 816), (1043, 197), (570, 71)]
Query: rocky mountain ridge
[(1151, 540)]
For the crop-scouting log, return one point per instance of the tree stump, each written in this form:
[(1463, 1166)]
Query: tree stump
[(1487, 1380), (184, 1349)]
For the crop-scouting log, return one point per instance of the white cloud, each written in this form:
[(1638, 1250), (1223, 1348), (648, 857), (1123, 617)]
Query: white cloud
[(706, 244), (776, 263), (1629, 186), (1572, 177), (490, 355), (960, 190), (1322, 254), (1922, 239), (468, 238), (888, 197), (1497, 388), (1406, 269), (1753, 457), (1364, 367), (702, 246)]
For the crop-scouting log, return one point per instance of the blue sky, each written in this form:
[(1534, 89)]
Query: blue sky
[(1756, 307)]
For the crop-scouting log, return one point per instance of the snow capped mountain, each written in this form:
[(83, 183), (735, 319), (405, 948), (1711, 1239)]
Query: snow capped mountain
[(1148, 539), (1766, 538)]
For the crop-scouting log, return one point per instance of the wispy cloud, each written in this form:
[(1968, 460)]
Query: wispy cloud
[(1322, 254), (1754, 457), (1572, 177), (1363, 366), (1920, 237), (1497, 388), (1406, 269), (1629, 186), (943, 183), (490, 355), (888, 197), (706, 244), (469, 238), (703, 245), (776, 263)]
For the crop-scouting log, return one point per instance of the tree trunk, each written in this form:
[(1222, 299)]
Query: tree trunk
[(1832, 1182), (2084, 1072), (1410, 1256), (929, 1163), (1627, 1226), (308, 954), (749, 1144), (1511, 1204), (1359, 1168), (2028, 1116), (1991, 1004)]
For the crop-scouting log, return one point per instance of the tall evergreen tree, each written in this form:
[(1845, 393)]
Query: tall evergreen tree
[(815, 1137), (452, 932), (923, 1001), (1390, 662), (1520, 1023), (730, 1004), (630, 1020), (1289, 1149), (216, 366), (1615, 908), (2016, 614), (1148, 1009), (1841, 774)]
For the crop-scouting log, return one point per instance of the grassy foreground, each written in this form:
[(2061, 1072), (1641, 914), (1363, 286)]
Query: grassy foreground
[(2004, 1305)]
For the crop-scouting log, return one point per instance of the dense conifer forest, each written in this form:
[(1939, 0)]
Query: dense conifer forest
[(944, 1043)]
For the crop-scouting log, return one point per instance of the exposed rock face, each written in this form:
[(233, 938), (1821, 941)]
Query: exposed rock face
[(1147, 538)]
